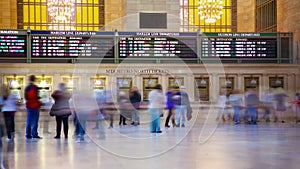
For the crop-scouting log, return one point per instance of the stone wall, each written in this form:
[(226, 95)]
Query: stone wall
[(8, 14), (288, 20), (134, 7), (246, 16), (288, 17), (114, 12)]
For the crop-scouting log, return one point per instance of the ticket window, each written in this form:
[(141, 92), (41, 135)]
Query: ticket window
[(202, 89), (15, 86), (71, 83), (44, 84), (226, 85), (276, 82), (251, 83), (98, 85), (176, 82), (149, 84), (124, 84)]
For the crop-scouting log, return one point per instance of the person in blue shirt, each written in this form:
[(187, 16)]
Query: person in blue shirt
[(170, 106)]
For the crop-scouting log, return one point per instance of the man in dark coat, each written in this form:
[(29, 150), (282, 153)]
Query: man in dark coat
[(135, 99)]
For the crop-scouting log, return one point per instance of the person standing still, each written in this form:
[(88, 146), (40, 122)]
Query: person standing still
[(33, 108), (61, 103), (156, 105), (135, 99)]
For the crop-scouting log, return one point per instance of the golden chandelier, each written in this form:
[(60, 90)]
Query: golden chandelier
[(61, 11), (210, 10)]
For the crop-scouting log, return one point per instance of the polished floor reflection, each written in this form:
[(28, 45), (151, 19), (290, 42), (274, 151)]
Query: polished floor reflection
[(198, 145)]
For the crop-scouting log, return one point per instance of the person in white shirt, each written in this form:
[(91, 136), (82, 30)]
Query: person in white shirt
[(236, 100), (9, 109), (156, 105)]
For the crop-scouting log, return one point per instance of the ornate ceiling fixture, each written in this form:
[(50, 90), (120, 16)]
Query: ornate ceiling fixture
[(210, 10)]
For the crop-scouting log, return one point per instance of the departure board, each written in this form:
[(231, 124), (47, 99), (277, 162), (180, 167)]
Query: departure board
[(72, 44), (239, 45), (155, 44), (13, 43)]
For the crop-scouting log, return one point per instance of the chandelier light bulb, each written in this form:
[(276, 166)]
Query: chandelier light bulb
[(61, 11), (210, 10)]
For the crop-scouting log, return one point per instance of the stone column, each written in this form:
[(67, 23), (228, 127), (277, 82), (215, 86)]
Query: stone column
[(214, 88), (190, 86), (246, 16), (8, 14), (264, 83), (240, 82), (290, 85), (56, 80)]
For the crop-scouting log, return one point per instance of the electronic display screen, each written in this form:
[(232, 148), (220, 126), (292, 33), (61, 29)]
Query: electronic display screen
[(72, 44), (157, 45), (239, 47), (12, 44)]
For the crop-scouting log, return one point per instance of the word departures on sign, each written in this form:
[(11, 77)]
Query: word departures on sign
[(13, 43)]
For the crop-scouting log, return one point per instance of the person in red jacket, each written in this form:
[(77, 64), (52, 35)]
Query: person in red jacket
[(33, 109)]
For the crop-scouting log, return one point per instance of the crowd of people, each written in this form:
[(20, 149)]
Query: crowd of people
[(274, 103), (175, 100), (81, 105)]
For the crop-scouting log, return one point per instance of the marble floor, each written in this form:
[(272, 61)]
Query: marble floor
[(202, 144)]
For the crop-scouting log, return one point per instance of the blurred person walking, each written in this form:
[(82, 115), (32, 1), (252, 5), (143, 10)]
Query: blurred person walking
[(124, 104), (252, 102), (281, 108), (297, 107), (156, 105), (170, 106), (83, 105), (268, 105), (135, 99), (9, 108), (33, 108), (236, 100), (182, 105), (61, 109), (101, 100)]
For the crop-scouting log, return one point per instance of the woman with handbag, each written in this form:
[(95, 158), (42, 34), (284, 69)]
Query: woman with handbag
[(61, 109)]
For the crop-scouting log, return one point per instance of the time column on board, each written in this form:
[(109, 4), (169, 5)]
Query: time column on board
[(39, 46)]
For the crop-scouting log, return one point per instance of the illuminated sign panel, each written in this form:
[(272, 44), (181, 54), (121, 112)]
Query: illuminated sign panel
[(13, 43), (163, 45), (72, 44), (239, 45)]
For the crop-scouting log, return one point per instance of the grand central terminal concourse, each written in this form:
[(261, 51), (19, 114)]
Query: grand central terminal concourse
[(153, 84)]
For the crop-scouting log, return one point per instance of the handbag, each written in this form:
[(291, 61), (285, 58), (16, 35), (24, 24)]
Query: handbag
[(59, 110), (189, 113)]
